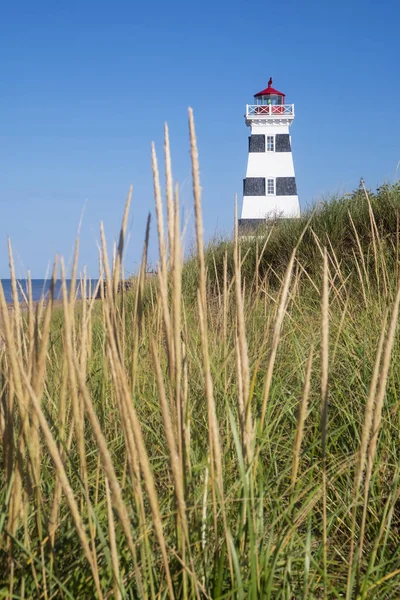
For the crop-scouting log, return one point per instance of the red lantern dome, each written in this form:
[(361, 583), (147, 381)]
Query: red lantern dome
[(270, 95)]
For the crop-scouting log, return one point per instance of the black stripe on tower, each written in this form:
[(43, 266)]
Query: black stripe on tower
[(253, 226), (257, 142), (254, 186), (285, 186), (282, 142)]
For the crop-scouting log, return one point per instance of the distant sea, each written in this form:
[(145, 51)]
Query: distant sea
[(41, 287)]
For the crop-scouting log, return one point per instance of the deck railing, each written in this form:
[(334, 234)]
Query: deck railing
[(273, 110)]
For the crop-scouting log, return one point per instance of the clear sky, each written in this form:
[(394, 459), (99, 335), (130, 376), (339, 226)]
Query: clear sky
[(86, 86)]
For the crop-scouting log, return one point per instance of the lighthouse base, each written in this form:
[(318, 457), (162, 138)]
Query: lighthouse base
[(248, 228)]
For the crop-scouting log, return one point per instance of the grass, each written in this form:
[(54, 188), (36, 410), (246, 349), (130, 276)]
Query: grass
[(229, 429)]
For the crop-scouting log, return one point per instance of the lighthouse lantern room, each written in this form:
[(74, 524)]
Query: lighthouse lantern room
[(269, 190)]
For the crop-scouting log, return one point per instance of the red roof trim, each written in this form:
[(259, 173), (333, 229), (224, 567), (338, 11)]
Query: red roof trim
[(269, 90)]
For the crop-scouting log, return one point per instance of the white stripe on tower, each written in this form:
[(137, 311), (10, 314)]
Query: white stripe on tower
[(269, 190)]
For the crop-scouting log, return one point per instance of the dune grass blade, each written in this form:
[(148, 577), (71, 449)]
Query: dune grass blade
[(324, 408)]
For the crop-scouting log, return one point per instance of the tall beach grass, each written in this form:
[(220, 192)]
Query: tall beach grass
[(228, 429)]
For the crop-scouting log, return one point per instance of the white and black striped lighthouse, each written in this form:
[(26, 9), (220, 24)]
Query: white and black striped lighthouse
[(269, 190)]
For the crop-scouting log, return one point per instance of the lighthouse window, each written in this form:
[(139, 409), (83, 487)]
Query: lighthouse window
[(270, 186), (270, 143)]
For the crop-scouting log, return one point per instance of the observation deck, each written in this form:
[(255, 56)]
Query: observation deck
[(269, 112)]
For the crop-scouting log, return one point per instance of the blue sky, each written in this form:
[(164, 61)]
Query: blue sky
[(86, 86)]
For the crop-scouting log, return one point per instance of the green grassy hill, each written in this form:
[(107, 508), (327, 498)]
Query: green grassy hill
[(345, 225)]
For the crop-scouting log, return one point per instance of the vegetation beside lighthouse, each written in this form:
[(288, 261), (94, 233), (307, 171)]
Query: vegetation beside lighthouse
[(229, 429), (333, 222)]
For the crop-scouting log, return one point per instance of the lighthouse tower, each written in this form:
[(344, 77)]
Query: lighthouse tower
[(269, 190)]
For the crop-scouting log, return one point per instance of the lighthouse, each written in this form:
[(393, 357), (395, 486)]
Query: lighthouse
[(269, 190)]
